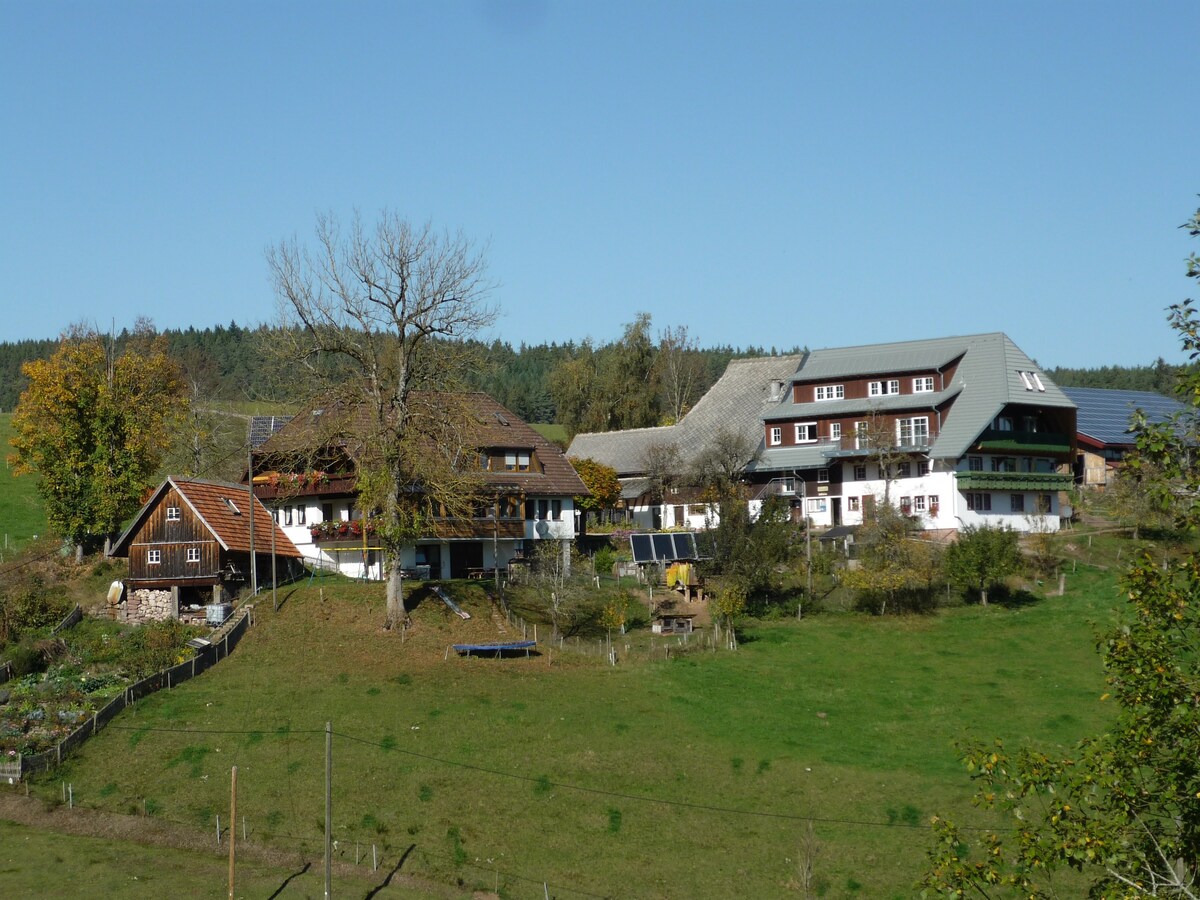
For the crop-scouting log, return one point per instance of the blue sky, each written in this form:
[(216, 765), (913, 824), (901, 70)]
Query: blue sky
[(770, 174)]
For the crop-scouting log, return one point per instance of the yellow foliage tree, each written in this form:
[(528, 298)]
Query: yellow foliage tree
[(94, 426)]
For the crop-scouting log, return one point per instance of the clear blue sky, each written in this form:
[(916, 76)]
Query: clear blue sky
[(773, 174)]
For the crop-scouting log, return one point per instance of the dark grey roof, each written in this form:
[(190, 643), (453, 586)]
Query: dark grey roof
[(624, 451), (262, 427), (1104, 414)]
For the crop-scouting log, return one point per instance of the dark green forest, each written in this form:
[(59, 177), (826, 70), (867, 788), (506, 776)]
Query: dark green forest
[(635, 381)]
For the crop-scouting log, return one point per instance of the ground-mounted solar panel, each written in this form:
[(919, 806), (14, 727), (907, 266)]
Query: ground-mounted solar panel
[(664, 547), (643, 549)]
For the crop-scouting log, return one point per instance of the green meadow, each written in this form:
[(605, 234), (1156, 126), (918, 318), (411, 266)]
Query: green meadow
[(21, 514), (826, 743)]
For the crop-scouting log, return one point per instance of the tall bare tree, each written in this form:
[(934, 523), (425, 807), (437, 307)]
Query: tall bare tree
[(378, 317), (681, 369)]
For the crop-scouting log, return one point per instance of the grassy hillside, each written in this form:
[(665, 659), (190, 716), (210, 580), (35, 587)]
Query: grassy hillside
[(21, 514), (606, 781)]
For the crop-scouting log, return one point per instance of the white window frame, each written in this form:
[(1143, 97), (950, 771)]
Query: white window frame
[(775, 435), (810, 428), (883, 388), (829, 392), (787, 485), (852, 504), (193, 555), (822, 476), (153, 557), (1026, 379), (173, 514), (862, 434), (923, 385), (835, 431), (919, 503), (910, 424), (817, 505)]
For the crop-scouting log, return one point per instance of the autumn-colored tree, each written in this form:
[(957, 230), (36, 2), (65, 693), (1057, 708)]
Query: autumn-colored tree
[(896, 569), (604, 490), (94, 426)]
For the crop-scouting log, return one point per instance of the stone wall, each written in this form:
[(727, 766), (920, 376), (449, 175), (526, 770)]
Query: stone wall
[(146, 605)]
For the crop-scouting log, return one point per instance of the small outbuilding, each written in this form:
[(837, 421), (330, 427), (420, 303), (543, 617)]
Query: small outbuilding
[(189, 547), (672, 623)]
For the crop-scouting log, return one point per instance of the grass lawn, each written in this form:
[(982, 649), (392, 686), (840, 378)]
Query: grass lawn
[(40, 863), (21, 514), (609, 781)]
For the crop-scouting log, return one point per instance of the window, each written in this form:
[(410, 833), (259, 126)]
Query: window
[(912, 432), (1044, 503), (516, 461), (933, 504), (922, 468), (1004, 464), (862, 435), (301, 517), (556, 510), (1037, 379), (233, 507), (287, 515), (835, 431), (193, 554), (822, 476), (787, 485), (776, 436), (1016, 503), (923, 385), (1030, 423), (153, 557), (817, 505), (906, 506), (975, 463), (543, 508), (831, 392), (905, 470), (879, 388), (326, 512), (860, 472), (1025, 378), (919, 504), (979, 502), (172, 513), (1003, 423), (806, 432), (852, 504)]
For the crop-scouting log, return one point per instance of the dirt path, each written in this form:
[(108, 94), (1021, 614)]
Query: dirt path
[(15, 807)]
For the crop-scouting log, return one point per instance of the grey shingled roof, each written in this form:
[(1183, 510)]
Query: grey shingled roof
[(739, 400), (1104, 414)]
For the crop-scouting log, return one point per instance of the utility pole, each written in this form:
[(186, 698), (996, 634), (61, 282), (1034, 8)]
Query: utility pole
[(232, 824), (328, 809), (274, 577), (250, 479)]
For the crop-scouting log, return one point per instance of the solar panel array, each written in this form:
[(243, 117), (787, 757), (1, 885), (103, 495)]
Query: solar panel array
[(1104, 413), (663, 547)]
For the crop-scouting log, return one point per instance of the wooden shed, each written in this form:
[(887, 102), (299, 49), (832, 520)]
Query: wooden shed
[(189, 546)]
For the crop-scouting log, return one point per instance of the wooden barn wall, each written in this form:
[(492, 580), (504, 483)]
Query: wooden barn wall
[(173, 538)]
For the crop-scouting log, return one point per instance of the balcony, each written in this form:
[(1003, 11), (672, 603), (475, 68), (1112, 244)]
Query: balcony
[(1042, 442), (1040, 482), (351, 534), (275, 485), (850, 446)]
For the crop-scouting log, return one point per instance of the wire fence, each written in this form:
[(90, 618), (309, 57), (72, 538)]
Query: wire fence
[(223, 642)]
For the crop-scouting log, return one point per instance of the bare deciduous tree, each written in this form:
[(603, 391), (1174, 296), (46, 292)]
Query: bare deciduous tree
[(680, 371), (376, 315)]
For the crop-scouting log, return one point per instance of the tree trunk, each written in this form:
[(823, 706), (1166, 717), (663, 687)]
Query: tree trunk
[(395, 590), (79, 552), (983, 596)]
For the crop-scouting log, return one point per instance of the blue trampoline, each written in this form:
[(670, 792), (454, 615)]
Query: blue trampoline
[(497, 649)]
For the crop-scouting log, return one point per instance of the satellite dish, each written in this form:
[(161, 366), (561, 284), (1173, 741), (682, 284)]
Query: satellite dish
[(542, 528)]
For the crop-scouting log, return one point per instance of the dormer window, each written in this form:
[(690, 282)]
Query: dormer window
[(172, 513), (776, 437), (806, 432), (830, 392), (516, 461), (923, 385), (881, 388)]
